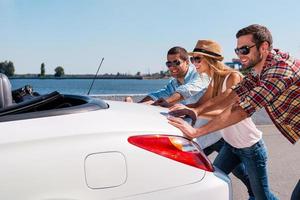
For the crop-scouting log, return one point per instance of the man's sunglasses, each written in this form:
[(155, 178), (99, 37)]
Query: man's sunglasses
[(174, 63), (196, 59), (244, 50)]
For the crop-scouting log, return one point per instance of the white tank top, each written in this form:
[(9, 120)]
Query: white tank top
[(243, 134)]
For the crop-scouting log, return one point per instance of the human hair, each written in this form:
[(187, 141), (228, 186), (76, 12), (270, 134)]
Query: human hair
[(260, 34), (220, 72), (183, 54)]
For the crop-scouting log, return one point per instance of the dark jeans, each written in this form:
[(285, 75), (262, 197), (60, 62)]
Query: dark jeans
[(296, 192), (239, 171), (254, 159)]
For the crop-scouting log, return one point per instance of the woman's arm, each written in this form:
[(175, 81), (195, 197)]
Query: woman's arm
[(228, 117), (216, 105)]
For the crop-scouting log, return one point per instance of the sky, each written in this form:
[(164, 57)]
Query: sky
[(132, 35)]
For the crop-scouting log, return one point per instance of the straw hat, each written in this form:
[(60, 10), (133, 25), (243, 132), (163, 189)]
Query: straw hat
[(208, 48)]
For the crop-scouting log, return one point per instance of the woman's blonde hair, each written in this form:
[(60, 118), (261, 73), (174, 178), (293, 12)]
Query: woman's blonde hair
[(220, 72)]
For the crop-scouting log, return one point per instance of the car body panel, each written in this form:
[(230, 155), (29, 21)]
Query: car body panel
[(54, 158)]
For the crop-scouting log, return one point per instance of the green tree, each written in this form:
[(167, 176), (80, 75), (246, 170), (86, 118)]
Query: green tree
[(10, 69), (43, 70), (161, 74), (2, 68), (59, 71), (7, 68)]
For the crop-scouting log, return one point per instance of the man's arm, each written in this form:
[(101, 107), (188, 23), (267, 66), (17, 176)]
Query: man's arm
[(205, 97), (146, 100), (168, 102), (174, 98), (202, 99), (194, 87), (163, 93), (183, 92)]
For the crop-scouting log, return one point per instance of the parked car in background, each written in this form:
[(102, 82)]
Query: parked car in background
[(69, 147)]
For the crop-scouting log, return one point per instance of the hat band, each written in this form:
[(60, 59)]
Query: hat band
[(206, 52)]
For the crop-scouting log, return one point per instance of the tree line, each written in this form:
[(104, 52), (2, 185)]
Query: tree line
[(8, 68)]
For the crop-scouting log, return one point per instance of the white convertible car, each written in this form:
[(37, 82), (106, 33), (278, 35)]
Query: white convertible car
[(69, 147)]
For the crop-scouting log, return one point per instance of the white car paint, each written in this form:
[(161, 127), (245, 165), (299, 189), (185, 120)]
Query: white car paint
[(87, 156)]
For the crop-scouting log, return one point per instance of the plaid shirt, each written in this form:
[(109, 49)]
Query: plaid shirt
[(277, 89)]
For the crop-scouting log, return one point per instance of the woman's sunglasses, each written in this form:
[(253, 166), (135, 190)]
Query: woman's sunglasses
[(174, 63), (195, 59), (244, 50)]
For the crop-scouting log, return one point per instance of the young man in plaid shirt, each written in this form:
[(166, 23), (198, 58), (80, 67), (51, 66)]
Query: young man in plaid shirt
[(273, 83)]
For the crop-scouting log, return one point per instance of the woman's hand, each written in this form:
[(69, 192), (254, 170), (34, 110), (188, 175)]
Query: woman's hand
[(185, 128), (186, 112), (177, 106), (162, 102)]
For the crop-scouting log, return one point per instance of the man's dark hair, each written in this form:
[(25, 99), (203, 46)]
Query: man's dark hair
[(260, 34), (181, 51)]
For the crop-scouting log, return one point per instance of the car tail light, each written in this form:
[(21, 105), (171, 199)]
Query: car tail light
[(174, 147)]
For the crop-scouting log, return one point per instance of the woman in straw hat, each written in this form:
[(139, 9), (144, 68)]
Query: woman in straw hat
[(243, 141)]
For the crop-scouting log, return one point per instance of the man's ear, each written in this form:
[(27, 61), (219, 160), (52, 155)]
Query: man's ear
[(187, 62), (264, 47)]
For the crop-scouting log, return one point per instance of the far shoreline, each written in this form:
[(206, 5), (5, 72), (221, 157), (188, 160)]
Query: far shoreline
[(89, 76), (76, 77)]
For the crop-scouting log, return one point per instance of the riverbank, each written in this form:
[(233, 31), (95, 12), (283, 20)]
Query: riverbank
[(86, 76)]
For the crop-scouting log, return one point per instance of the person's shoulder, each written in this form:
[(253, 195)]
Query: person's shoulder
[(192, 73), (278, 63), (235, 75), (234, 78), (173, 82), (278, 69), (192, 70)]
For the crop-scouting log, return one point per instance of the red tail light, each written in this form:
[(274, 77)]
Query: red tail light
[(174, 147)]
